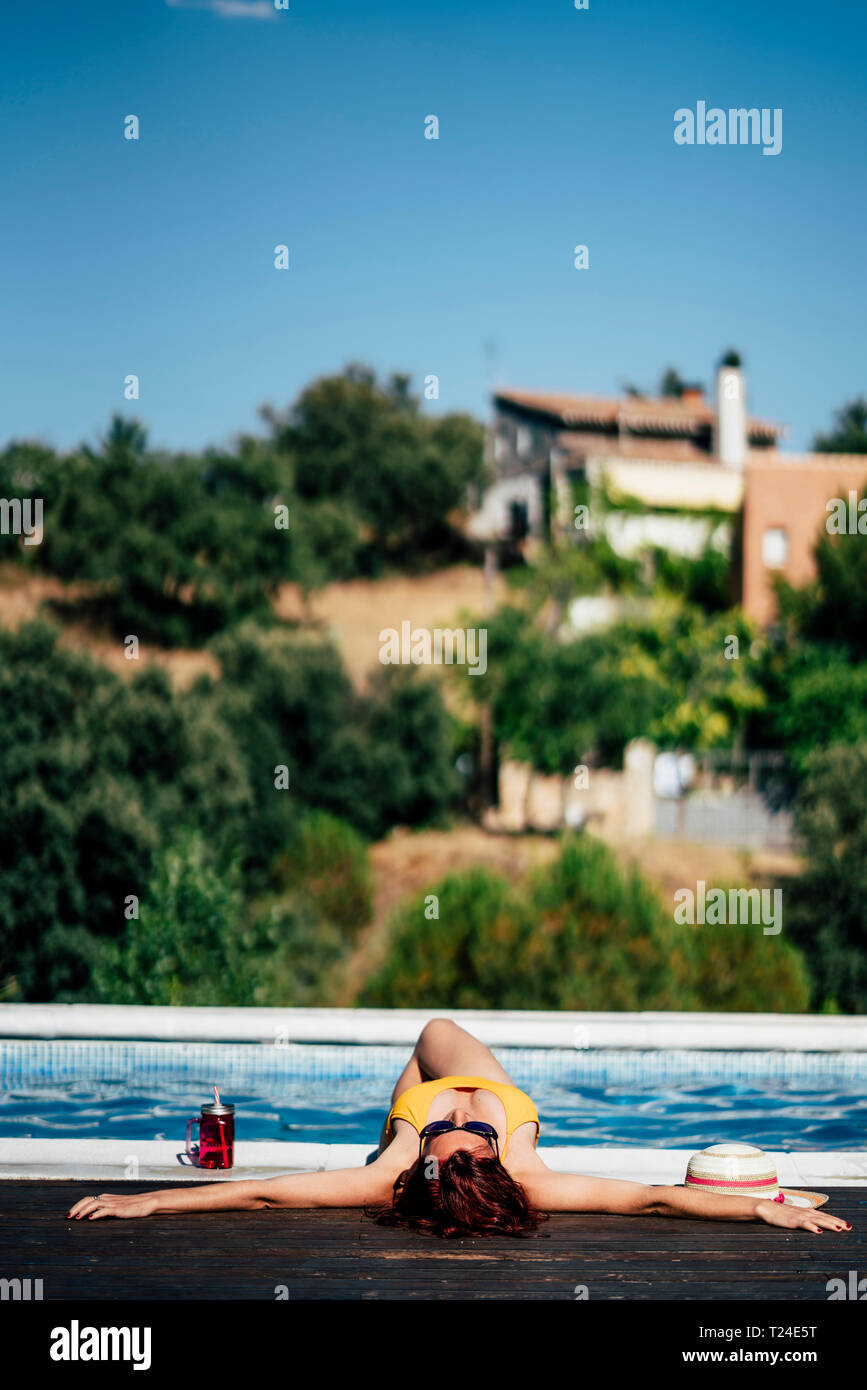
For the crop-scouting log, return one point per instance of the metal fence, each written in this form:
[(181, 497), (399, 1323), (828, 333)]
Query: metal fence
[(739, 798)]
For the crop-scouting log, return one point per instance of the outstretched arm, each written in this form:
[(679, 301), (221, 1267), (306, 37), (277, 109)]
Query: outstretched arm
[(341, 1187), (570, 1192)]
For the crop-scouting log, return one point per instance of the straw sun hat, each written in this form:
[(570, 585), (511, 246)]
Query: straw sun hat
[(741, 1170)]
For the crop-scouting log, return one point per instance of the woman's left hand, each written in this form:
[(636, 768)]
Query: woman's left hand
[(800, 1218)]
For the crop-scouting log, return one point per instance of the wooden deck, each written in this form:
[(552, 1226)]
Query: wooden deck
[(342, 1255)]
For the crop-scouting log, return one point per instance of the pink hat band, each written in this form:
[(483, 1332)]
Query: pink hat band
[(742, 1182), (732, 1188)]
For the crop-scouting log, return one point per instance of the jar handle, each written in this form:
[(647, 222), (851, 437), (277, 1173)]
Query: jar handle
[(190, 1123)]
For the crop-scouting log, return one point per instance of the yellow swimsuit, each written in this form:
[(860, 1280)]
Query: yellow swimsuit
[(415, 1103)]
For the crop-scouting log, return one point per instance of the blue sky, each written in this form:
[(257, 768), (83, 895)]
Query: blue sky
[(451, 257)]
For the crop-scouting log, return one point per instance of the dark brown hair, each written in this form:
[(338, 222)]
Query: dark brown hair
[(468, 1196)]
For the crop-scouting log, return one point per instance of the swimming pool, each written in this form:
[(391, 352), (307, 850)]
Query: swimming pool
[(338, 1094)]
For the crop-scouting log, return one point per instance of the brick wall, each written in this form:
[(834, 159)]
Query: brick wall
[(789, 494)]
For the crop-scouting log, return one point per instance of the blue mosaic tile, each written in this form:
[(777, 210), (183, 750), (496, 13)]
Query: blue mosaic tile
[(241, 1063)]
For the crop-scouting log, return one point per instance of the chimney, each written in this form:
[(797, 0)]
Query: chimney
[(692, 395), (730, 432)]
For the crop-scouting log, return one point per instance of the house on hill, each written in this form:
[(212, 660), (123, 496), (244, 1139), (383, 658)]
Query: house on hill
[(676, 472)]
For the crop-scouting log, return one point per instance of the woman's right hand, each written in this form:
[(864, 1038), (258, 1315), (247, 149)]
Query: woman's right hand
[(114, 1204)]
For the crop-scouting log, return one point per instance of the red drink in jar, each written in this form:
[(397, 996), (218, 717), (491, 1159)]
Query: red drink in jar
[(216, 1137)]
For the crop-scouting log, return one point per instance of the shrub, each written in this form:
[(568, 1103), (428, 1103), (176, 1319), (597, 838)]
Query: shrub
[(293, 955), (829, 901), (598, 939), (582, 934), (328, 859), (196, 943), (462, 958), (184, 947), (737, 969), (824, 702)]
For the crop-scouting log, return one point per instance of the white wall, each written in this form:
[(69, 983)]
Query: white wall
[(492, 519), (630, 532)]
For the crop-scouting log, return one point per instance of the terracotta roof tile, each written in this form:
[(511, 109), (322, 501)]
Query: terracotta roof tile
[(635, 412)]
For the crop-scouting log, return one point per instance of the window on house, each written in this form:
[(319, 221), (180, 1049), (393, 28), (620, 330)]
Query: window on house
[(523, 441), (519, 523), (775, 547)]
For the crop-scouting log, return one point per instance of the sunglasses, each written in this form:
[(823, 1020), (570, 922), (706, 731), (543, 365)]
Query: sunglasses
[(479, 1127)]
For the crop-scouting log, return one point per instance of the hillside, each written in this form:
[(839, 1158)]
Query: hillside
[(352, 614)]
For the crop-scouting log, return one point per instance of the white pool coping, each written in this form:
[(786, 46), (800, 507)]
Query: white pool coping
[(159, 1160), (496, 1028), (95, 1160)]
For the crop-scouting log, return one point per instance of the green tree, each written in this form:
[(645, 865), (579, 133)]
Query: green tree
[(823, 702), (558, 699), (365, 445), (173, 547), (828, 913), (409, 753), (671, 383), (377, 760), (712, 679), (97, 775), (849, 432), (831, 610)]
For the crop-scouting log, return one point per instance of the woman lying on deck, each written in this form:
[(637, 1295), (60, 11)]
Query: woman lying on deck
[(458, 1157)]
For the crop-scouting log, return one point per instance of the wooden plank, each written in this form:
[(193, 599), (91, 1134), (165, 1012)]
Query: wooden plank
[(335, 1254)]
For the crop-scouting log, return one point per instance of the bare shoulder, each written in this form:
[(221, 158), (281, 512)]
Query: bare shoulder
[(522, 1159), (400, 1152)]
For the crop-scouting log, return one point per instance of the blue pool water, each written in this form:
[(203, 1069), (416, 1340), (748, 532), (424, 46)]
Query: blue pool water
[(340, 1094)]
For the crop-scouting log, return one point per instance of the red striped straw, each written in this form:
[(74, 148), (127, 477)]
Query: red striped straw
[(222, 1132)]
